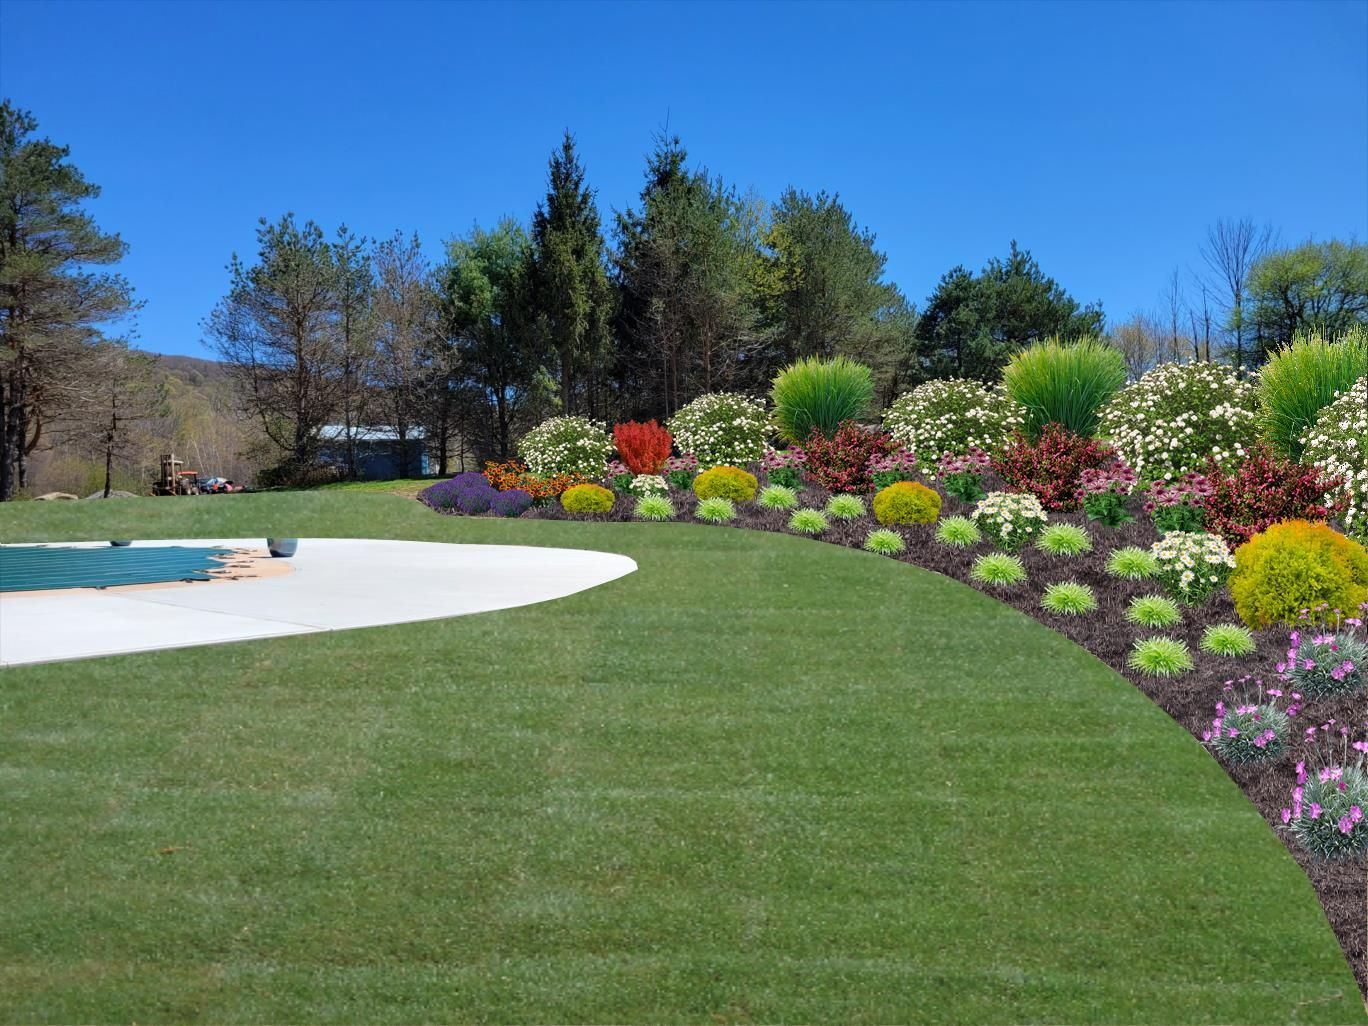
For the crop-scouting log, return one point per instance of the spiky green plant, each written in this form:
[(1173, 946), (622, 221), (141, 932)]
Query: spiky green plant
[(653, 507), (808, 521), (1231, 640), (816, 393), (1068, 598), (885, 542), (1160, 657), (1132, 563), (845, 507), (1302, 379), (1153, 611), (777, 497), (1064, 382), (716, 510), (1064, 540), (959, 532), (998, 570)]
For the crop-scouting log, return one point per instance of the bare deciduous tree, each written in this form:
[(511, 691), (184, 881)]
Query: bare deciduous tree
[(1230, 250)]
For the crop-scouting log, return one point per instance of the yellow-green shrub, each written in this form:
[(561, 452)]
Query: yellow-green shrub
[(907, 502), (587, 498), (1297, 565), (725, 482)]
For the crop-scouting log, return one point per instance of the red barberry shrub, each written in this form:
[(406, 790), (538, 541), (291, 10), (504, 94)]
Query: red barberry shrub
[(1264, 490), (841, 463), (644, 448), (1051, 467)]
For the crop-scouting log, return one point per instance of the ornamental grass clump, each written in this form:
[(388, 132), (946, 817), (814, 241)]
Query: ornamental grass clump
[(808, 521), (715, 510), (1295, 568), (1177, 415), (845, 507), (885, 542), (998, 570), (653, 507), (1104, 493), (1153, 611), (567, 445), (777, 497), (962, 475), (1068, 598), (953, 415), (813, 394), (1160, 657), (1192, 565), (1338, 443), (906, 502), (1064, 383), (1326, 663), (958, 532), (1009, 519), (1230, 640), (1329, 810), (1051, 466), (587, 498), (1302, 379), (1132, 563), (725, 482), (1249, 729), (721, 428), (1064, 540)]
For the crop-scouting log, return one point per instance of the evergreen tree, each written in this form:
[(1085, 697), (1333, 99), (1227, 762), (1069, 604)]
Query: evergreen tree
[(569, 285), (52, 304)]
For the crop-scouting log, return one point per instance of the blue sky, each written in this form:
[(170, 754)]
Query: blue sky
[(1104, 137)]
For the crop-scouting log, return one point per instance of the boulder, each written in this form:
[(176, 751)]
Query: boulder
[(53, 497)]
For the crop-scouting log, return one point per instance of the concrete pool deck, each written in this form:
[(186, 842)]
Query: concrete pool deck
[(336, 584)]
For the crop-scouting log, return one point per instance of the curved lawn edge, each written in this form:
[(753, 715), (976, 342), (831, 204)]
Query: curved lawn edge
[(1101, 868)]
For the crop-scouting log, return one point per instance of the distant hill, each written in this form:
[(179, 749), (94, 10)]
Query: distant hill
[(193, 370)]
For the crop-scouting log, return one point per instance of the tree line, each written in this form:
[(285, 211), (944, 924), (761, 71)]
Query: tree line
[(695, 286)]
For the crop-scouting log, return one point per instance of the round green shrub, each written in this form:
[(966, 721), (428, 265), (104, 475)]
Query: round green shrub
[(885, 542), (721, 428), (808, 521), (715, 510), (953, 415), (906, 502), (587, 498), (815, 393), (567, 445), (777, 497), (1295, 566), (845, 507), (725, 482)]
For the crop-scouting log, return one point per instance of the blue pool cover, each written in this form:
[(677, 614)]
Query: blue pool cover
[(40, 567)]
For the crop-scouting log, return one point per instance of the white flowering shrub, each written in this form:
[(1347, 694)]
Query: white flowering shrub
[(1338, 444), (1192, 564), (722, 428), (567, 445), (1009, 519), (1166, 424), (953, 415)]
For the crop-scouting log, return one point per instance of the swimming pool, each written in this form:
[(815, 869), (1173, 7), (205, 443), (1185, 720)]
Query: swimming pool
[(52, 567)]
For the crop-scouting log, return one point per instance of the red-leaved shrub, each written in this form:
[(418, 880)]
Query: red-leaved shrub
[(1051, 467), (644, 448), (1264, 490), (841, 463)]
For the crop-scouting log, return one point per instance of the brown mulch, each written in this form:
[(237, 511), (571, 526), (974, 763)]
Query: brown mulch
[(1189, 699)]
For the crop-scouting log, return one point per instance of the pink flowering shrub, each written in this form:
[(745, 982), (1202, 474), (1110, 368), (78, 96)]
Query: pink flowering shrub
[(1327, 814), (1251, 729)]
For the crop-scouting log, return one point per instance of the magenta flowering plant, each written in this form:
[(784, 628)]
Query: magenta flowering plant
[(886, 468), (1250, 727), (1325, 661), (961, 475), (1329, 810), (1103, 493), (1177, 505), (679, 471), (784, 466)]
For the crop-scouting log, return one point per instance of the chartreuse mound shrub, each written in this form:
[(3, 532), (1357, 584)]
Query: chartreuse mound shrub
[(1064, 540), (1064, 383), (998, 570), (808, 521), (777, 497), (907, 502), (845, 507), (654, 507), (1304, 378), (1153, 611), (725, 483), (1132, 563), (716, 510), (587, 498), (813, 393), (1231, 640), (885, 542), (1297, 566), (1068, 598), (958, 532), (1160, 657)]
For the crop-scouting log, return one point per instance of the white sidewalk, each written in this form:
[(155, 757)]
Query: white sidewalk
[(337, 584)]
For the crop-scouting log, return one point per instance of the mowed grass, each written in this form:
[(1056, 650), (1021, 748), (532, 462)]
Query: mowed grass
[(762, 779)]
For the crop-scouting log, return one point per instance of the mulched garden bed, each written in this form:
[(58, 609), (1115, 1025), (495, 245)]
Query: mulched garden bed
[(1189, 699)]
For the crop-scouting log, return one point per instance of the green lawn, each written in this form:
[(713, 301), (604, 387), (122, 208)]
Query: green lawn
[(761, 779)]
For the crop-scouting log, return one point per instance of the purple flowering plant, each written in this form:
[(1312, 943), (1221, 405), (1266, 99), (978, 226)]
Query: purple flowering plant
[(471, 493), (1251, 728), (1324, 661), (679, 471), (962, 475), (1329, 810), (1177, 505), (1104, 491), (886, 468), (784, 466)]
